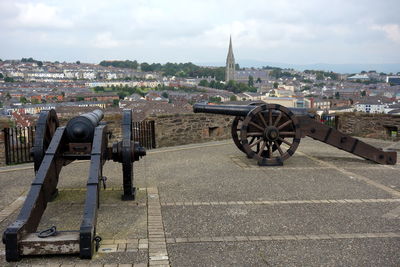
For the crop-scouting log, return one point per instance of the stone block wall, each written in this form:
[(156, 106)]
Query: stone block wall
[(180, 129), (377, 126)]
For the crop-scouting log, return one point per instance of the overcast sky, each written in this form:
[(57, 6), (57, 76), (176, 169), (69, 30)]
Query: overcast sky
[(292, 31)]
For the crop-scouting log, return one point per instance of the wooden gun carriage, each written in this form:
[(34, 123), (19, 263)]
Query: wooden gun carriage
[(271, 133), (85, 137)]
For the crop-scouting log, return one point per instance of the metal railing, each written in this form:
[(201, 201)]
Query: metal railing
[(330, 120), (18, 141), (144, 133)]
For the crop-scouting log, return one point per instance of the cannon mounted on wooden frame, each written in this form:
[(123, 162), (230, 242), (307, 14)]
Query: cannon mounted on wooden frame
[(85, 137), (271, 133)]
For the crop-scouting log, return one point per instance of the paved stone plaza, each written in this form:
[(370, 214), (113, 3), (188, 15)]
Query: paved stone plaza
[(208, 205)]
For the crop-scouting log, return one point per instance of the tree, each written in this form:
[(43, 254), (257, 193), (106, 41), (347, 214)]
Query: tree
[(203, 83), (23, 100), (8, 79), (214, 99), (276, 85), (237, 66), (363, 93), (320, 76), (145, 67), (233, 98), (1, 76), (39, 63), (115, 102), (79, 98), (8, 96), (337, 95), (164, 94), (258, 80), (250, 81), (78, 62)]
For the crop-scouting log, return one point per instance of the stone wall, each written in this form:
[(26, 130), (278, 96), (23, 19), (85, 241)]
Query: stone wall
[(378, 126), (180, 129)]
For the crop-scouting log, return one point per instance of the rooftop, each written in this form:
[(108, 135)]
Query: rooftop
[(218, 208)]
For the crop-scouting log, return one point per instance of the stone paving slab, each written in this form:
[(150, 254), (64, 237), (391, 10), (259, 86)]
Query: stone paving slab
[(386, 176), (268, 184), (344, 252), (255, 220)]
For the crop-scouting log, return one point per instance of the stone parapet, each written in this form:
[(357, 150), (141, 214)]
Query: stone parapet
[(180, 129), (379, 126)]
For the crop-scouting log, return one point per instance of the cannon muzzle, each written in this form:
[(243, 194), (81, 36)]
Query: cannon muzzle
[(80, 129)]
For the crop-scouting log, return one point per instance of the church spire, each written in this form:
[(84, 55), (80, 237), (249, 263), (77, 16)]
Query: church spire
[(230, 63)]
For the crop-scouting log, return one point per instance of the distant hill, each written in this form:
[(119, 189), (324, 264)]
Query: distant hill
[(340, 68)]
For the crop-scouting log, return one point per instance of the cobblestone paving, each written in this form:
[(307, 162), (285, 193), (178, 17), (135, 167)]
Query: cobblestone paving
[(208, 205)]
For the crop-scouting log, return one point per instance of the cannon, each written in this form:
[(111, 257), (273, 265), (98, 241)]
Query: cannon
[(85, 137), (271, 133)]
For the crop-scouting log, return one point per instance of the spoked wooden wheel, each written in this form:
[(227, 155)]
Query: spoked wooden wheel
[(235, 131), (276, 130), (45, 129), (236, 128)]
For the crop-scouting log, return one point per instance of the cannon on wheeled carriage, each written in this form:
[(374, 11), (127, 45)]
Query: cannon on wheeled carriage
[(84, 138), (271, 133)]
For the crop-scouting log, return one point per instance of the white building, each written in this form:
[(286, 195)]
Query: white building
[(371, 107)]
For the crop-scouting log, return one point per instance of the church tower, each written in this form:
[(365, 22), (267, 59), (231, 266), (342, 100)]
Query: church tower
[(230, 63)]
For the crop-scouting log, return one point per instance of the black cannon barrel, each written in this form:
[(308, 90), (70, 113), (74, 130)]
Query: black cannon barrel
[(236, 110), (81, 128), (233, 110)]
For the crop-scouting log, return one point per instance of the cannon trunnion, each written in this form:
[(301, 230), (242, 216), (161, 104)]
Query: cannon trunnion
[(271, 133), (84, 137)]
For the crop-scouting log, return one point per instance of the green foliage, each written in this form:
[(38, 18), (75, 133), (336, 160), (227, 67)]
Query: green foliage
[(236, 87), (8, 96), (31, 60), (237, 66), (98, 89), (35, 101), (184, 70), (276, 85), (8, 79), (120, 64), (250, 83), (279, 73), (233, 98), (23, 100), (115, 103), (214, 99), (78, 62), (321, 75), (203, 83), (164, 94), (363, 93), (258, 80), (79, 98), (1, 76), (337, 95)]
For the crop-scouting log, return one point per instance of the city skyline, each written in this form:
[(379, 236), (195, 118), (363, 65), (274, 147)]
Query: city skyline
[(300, 33)]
